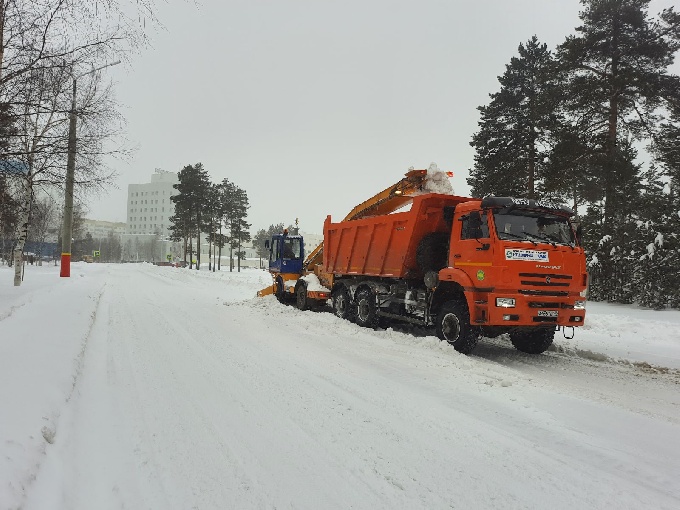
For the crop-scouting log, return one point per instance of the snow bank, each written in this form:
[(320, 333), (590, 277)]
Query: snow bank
[(134, 386)]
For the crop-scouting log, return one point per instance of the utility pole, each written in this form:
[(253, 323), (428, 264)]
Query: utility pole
[(67, 230)]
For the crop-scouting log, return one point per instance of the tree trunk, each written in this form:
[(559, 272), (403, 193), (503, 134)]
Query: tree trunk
[(198, 241), (210, 261), (219, 259), (22, 227), (531, 168), (238, 253), (610, 149), (210, 240), (2, 35)]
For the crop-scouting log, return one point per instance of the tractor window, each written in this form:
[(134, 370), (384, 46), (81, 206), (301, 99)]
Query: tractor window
[(274, 251), (475, 226), (292, 249)]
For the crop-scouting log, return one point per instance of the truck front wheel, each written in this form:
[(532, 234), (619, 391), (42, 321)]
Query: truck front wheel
[(340, 299), (534, 340), (453, 325)]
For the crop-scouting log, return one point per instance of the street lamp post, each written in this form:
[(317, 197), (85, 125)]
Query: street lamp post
[(67, 230)]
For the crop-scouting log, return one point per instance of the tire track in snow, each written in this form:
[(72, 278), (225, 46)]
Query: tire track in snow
[(51, 430)]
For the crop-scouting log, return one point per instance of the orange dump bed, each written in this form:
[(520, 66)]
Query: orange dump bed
[(385, 245)]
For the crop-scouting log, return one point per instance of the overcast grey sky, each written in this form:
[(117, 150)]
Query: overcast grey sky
[(313, 106)]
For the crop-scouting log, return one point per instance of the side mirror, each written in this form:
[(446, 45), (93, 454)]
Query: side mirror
[(266, 244)]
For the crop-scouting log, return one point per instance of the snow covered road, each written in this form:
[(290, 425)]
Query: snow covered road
[(186, 392)]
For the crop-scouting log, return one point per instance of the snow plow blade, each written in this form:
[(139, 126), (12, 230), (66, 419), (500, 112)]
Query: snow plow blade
[(266, 291)]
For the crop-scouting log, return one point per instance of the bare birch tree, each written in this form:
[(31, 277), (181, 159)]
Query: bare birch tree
[(44, 46)]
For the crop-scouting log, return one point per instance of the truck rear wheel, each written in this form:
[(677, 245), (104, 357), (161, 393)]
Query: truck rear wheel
[(301, 300), (340, 297), (453, 325), (366, 314), (533, 340)]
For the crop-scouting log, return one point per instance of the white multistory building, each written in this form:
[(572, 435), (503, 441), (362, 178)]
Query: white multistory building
[(149, 207), (99, 229)]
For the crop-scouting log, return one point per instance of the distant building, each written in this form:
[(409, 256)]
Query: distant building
[(311, 241), (149, 207), (101, 229)]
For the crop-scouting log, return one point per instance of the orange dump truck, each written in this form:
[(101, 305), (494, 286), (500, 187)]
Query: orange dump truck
[(469, 267)]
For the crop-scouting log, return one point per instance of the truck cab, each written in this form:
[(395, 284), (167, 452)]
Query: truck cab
[(521, 267)]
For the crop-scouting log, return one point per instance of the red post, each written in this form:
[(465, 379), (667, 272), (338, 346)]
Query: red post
[(65, 265)]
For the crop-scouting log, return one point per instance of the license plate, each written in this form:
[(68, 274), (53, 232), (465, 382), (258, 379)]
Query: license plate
[(547, 313)]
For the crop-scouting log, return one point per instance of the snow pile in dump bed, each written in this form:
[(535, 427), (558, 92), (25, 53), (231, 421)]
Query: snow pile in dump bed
[(437, 181), (313, 283)]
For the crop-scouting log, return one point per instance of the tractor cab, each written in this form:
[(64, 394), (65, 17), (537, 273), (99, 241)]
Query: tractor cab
[(286, 253)]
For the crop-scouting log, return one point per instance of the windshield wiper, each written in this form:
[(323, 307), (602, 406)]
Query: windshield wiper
[(546, 237), (517, 236)]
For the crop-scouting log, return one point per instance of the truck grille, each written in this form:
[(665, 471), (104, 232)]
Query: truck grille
[(545, 280), (545, 319), (545, 275), (543, 304), (554, 293)]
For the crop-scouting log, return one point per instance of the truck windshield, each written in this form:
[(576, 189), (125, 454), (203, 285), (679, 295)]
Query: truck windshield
[(533, 227)]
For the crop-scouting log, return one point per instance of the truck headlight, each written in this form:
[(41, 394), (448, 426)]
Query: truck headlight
[(579, 305), (505, 302)]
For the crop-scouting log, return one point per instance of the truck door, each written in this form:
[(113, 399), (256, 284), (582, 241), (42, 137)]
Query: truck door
[(471, 247)]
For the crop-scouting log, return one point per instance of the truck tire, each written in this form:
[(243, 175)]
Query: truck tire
[(432, 252), (366, 313), (534, 340), (301, 300), (341, 302), (453, 325)]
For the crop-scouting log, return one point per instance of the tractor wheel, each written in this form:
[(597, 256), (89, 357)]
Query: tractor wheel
[(453, 325), (534, 340), (280, 290), (341, 307), (301, 296), (366, 313)]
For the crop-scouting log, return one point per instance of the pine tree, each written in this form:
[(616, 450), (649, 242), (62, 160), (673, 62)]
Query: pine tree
[(615, 71), (190, 206), (657, 272), (211, 220), (514, 131), (265, 235), (615, 83)]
